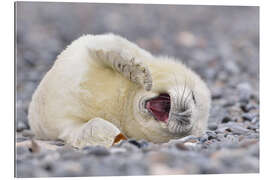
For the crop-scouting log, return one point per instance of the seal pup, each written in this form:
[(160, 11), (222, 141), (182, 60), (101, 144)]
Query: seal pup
[(104, 85)]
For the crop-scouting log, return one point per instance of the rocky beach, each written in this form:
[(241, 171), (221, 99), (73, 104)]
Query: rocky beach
[(220, 43)]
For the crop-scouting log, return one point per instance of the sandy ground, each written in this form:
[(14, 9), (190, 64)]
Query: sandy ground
[(220, 43)]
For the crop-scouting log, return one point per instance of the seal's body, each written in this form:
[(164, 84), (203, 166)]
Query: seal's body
[(103, 85)]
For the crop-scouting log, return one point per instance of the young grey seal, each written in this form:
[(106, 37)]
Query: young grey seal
[(104, 85)]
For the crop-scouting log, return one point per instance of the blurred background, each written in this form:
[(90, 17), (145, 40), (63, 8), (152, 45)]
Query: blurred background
[(220, 43)]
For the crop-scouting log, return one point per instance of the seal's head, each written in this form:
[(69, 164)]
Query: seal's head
[(178, 105)]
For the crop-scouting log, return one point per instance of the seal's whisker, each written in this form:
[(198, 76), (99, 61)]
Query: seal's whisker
[(183, 92), (178, 129), (177, 89), (187, 99)]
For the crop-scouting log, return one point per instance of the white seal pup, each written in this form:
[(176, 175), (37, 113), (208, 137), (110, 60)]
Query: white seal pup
[(103, 85)]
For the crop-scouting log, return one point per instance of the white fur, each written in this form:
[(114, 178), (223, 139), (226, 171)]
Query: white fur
[(80, 88)]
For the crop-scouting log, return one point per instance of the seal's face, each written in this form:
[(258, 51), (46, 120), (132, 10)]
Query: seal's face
[(173, 113), (174, 109)]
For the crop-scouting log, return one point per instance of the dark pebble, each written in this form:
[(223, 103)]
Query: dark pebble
[(58, 143), (245, 92), (229, 103), (203, 138), (216, 94), (211, 135), (134, 142), (21, 126), (96, 150), (226, 119), (248, 116), (247, 107), (143, 143), (212, 126), (255, 120), (181, 146), (235, 128)]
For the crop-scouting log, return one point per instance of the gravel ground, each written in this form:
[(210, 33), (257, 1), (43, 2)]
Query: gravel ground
[(219, 43)]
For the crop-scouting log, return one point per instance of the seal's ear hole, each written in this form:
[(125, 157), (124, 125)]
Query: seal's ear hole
[(193, 97)]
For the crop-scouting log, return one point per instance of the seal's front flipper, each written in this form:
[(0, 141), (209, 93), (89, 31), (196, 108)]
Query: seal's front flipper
[(130, 67), (97, 131)]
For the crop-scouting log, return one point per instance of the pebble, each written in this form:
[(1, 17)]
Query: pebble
[(117, 150), (134, 142), (245, 92), (96, 150), (235, 128), (21, 126), (248, 107), (212, 126), (216, 94), (226, 119), (248, 116)]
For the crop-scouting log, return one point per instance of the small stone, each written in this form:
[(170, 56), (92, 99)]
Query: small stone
[(212, 126), (217, 113), (255, 120), (134, 142), (235, 128), (253, 126), (204, 138), (96, 150), (28, 133), (248, 116), (21, 126), (58, 143), (181, 146), (117, 150), (229, 103), (211, 135), (221, 130), (21, 118), (144, 143), (226, 119), (247, 107), (245, 92), (68, 169), (186, 39), (129, 146), (216, 93), (231, 67), (248, 142)]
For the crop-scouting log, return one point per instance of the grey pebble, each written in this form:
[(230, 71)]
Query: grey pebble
[(21, 126), (248, 116), (245, 92), (212, 126), (96, 150), (248, 107), (235, 128)]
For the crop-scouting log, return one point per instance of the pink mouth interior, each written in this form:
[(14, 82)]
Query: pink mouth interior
[(160, 107)]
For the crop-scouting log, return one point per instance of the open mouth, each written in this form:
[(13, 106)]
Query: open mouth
[(159, 107)]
